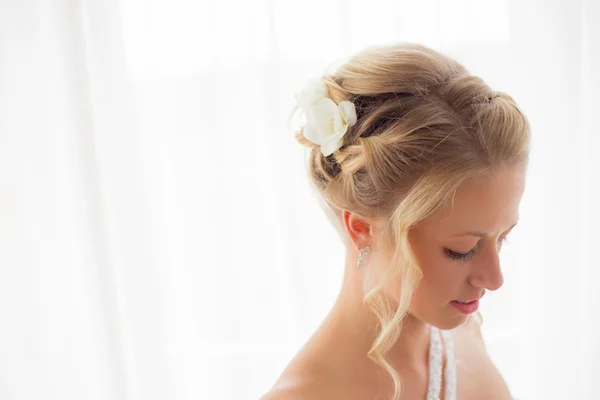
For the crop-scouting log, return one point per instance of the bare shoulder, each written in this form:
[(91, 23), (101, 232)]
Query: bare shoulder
[(284, 392), (311, 379), (301, 389), (312, 374), (480, 377)]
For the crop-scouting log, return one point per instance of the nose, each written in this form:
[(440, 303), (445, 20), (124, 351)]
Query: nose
[(487, 273)]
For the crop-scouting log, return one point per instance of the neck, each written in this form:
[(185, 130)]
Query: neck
[(355, 325)]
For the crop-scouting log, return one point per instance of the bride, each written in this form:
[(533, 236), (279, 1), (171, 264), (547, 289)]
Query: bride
[(421, 167)]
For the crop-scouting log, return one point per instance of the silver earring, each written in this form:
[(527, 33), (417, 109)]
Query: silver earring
[(364, 252)]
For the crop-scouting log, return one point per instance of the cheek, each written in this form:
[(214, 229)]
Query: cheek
[(441, 277), (441, 283), (436, 267)]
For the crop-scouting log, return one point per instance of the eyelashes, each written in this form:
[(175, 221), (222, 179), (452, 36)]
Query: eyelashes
[(455, 256)]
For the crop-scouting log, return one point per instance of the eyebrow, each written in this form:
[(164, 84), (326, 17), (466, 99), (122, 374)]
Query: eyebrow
[(480, 234)]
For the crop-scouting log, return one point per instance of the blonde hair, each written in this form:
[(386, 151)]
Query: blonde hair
[(424, 126)]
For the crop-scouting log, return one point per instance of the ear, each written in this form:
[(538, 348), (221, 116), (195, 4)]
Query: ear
[(359, 229)]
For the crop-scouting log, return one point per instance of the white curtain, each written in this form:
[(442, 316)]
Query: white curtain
[(158, 238)]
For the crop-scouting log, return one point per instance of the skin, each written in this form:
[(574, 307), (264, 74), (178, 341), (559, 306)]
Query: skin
[(333, 363)]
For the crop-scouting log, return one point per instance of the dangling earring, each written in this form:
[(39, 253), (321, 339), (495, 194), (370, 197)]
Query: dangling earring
[(364, 252)]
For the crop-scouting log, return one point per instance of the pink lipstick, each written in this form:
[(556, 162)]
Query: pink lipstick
[(466, 308)]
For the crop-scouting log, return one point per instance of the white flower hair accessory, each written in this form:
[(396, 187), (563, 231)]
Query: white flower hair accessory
[(326, 122)]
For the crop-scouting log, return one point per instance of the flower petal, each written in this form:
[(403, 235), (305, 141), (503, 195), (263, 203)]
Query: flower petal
[(349, 110), (339, 120), (313, 91), (320, 116), (341, 133), (321, 110), (313, 134), (334, 142)]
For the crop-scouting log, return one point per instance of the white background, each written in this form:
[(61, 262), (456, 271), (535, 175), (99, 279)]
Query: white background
[(158, 238)]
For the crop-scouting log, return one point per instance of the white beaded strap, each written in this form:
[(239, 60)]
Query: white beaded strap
[(435, 365), (450, 370)]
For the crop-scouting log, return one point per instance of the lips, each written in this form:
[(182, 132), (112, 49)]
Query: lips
[(466, 308)]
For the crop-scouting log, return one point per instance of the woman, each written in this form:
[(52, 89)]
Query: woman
[(421, 168)]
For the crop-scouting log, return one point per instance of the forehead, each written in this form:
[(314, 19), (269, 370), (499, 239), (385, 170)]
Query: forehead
[(488, 204)]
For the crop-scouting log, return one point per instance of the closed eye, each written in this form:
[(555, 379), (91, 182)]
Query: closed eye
[(459, 256), (454, 255)]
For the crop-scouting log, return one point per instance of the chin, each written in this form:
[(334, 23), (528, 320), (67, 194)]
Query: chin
[(449, 320), (450, 323)]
